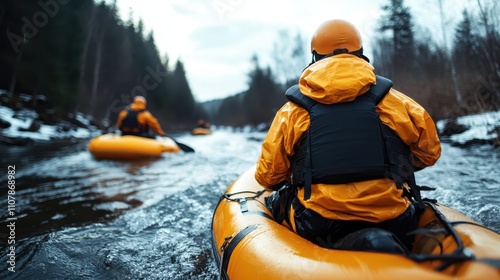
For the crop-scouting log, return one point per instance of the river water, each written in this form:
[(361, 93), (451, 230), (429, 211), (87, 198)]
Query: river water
[(81, 218)]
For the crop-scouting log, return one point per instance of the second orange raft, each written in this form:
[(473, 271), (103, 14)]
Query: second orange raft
[(201, 131), (128, 147)]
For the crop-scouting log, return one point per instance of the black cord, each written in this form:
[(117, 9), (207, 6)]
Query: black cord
[(457, 255)]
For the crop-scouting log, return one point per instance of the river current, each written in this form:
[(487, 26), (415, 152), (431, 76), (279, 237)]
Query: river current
[(81, 218)]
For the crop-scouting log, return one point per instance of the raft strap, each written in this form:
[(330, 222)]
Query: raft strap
[(259, 213), (222, 250), (228, 247)]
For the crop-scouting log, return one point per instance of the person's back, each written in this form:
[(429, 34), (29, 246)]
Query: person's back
[(325, 134), (136, 120), (203, 124)]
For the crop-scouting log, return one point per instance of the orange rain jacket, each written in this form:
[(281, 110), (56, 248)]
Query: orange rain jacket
[(337, 79), (145, 118)]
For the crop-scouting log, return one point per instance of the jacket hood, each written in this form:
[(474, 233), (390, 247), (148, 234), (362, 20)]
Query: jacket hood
[(336, 79), (138, 105)]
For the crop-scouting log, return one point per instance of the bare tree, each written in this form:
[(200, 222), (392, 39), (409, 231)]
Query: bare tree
[(489, 16), (452, 67), (84, 57), (289, 58)]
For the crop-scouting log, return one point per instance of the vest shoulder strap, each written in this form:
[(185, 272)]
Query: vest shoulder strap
[(380, 89), (293, 94)]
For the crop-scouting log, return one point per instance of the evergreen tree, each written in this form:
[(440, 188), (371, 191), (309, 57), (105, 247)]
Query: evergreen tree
[(466, 54), (398, 20), (261, 99), (418, 68), (47, 62), (474, 53), (181, 102), (466, 43)]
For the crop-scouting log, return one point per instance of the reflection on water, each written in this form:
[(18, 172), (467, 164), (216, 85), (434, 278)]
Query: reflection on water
[(66, 187), (87, 219), (28, 155)]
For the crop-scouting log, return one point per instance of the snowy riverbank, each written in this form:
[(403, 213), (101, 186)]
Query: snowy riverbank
[(23, 126)]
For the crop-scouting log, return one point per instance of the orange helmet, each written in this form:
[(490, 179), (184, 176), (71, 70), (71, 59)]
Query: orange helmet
[(336, 36), (140, 99)]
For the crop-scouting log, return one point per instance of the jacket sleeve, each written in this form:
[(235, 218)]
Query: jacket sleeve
[(413, 125), (287, 128), (154, 124), (121, 116)]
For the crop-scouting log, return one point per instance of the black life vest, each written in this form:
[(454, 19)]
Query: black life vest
[(347, 142), (130, 124)]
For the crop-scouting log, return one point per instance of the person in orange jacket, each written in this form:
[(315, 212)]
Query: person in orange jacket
[(340, 155), (203, 124), (136, 120)]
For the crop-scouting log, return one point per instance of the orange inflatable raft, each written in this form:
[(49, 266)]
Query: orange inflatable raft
[(201, 131), (249, 244), (112, 146)]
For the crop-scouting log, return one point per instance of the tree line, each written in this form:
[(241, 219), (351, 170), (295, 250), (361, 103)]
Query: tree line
[(449, 79), (80, 57)]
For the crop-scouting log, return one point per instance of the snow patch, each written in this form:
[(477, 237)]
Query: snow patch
[(482, 126), (22, 120)]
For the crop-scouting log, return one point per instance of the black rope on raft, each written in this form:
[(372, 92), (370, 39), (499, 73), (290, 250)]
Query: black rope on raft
[(458, 255), (256, 195), (243, 200)]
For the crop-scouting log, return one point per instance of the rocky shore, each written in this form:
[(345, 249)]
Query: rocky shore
[(25, 119)]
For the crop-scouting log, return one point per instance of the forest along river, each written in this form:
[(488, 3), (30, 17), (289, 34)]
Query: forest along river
[(80, 218)]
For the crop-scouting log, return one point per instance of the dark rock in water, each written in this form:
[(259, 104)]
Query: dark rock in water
[(453, 127), (15, 141), (48, 117), (74, 121), (34, 126), (472, 142), (4, 124), (65, 127), (496, 142)]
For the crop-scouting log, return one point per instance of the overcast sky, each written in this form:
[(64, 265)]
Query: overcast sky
[(215, 39)]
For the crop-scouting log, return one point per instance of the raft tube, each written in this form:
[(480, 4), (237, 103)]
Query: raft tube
[(201, 131), (117, 147), (248, 244)]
